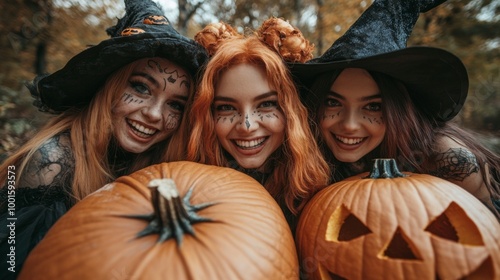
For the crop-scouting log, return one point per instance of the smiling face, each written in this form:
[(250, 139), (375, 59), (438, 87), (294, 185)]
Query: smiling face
[(151, 106), (351, 120), (248, 121)]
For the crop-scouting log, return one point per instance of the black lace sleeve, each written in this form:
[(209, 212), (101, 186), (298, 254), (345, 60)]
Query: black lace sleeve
[(41, 197), (52, 164)]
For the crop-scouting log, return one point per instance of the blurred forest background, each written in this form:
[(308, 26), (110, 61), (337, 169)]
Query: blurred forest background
[(39, 36)]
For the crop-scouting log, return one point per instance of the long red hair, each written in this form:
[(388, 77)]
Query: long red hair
[(91, 132), (300, 170)]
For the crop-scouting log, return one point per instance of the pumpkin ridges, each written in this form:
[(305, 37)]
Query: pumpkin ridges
[(243, 246), (82, 226), (415, 208), (236, 210), (473, 258), (470, 202), (234, 190), (265, 221), (143, 269), (310, 258), (425, 213), (134, 184), (207, 263)]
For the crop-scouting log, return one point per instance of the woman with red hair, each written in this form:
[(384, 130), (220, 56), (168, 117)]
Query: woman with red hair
[(247, 114), (120, 107)]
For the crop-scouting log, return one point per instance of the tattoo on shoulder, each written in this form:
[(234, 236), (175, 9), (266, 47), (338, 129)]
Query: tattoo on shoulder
[(51, 165), (455, 164)]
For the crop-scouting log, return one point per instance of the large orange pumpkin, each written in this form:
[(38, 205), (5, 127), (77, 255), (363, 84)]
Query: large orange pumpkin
[(391, 225), (227, 226)]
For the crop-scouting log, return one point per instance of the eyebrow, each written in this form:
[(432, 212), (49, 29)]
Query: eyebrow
[(146, 76), (260, 97), (364, 98)]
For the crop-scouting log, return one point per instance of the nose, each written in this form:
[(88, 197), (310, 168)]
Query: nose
[(350, 120), (248, 122), (153, 112)]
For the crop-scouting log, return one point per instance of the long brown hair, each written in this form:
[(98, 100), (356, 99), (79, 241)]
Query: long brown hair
[(410, 135), (300, 170), (91, 132)]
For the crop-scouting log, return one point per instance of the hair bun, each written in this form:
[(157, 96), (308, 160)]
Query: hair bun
[(214, 34), (287, 40)]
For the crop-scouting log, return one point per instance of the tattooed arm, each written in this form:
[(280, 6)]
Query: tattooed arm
[(51, 165), (456, 163)]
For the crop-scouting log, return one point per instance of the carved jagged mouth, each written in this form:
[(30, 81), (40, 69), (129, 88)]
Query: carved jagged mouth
[(140, 129), (250, 144), (349, 141)]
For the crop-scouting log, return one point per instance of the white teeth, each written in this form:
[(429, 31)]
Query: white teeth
[(349, 141), (250, 144), (141, 128)]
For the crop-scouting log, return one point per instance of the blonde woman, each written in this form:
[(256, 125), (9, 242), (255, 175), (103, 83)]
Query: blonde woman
[(120, 107)]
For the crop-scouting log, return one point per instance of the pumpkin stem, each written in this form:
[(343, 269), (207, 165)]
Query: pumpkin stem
[(385, 168), (173, 216)]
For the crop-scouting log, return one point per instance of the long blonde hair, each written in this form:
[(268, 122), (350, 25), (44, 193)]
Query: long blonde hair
[(301, 169), (91, 132)]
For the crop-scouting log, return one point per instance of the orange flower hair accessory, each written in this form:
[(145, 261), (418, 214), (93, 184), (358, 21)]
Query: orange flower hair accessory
[(285, 39), (214, 34)]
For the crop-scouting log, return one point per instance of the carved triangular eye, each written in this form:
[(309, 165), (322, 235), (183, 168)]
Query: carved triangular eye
[(454, 224), (344, 226), (401, 247)]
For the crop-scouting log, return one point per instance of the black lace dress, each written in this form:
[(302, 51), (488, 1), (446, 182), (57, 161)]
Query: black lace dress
[(24, 225), (29, 211)]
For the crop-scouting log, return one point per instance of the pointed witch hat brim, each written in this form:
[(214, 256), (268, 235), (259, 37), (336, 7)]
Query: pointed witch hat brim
[(143, 32), (436, 79)]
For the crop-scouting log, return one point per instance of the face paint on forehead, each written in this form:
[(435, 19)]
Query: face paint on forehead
[(172, 76)]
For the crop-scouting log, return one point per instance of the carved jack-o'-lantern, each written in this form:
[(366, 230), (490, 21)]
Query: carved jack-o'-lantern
[(408, 226)]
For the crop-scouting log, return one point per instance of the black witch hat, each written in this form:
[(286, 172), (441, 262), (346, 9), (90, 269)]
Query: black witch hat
[(436, 79), (143, 32)]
